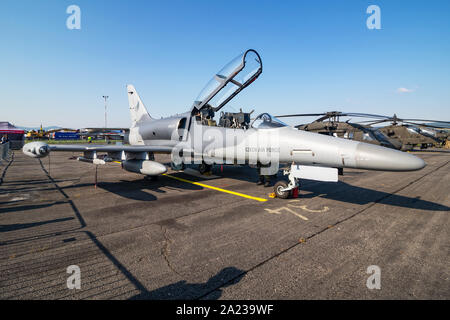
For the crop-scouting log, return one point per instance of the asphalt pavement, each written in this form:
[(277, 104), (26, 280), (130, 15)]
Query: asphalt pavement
[(188, 236)]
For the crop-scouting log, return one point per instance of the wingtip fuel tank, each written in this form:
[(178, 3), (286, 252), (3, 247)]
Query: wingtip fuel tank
[(36, 149)]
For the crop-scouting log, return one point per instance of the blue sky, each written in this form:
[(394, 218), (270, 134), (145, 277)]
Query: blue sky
[(317, 56)]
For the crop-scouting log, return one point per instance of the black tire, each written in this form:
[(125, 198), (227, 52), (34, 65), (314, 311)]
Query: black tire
[(174, 167), (281, 194), (203, 168)]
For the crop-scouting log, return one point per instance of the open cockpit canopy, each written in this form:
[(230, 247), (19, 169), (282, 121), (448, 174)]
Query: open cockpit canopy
[(229, 81)]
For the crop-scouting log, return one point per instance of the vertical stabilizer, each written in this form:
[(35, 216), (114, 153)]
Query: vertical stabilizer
[(138, 111)]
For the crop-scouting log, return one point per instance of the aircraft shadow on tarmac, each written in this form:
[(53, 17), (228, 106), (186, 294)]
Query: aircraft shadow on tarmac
[(345, 192), (137, 189), (134, 189), (210, 289), (340, 191)]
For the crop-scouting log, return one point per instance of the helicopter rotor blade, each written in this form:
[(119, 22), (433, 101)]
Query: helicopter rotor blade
[(372, 122), (424, 125), (376, 118), (300, 115), (438, 121), (364, 115), (335, 114)]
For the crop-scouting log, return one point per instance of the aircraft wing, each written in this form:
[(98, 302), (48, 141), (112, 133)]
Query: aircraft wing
[(108, 148), (115, 152), (133, 158)]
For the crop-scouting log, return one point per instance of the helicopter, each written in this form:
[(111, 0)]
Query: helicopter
[(329, 124), (412, 132), (398, 136)]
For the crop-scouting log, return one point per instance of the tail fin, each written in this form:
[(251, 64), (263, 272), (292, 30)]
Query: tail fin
[(138, 111)]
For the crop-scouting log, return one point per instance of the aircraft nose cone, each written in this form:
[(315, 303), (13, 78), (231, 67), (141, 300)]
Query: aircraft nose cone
[(374, 157)]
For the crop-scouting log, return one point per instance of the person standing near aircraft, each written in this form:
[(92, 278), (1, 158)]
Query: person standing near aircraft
[(263, 179)]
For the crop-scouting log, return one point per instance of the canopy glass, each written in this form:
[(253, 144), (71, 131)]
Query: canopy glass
[(229, 81)]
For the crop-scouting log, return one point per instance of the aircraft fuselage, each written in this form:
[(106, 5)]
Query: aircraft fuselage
[(196, 142)]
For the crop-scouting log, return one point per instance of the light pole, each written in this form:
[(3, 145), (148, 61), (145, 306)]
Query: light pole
[(105, 97)]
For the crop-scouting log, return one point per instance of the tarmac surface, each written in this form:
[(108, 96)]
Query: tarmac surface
[(172, 239)]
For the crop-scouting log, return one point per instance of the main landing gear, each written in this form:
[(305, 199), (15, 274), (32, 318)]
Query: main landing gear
[(178, 167), (204, 168)]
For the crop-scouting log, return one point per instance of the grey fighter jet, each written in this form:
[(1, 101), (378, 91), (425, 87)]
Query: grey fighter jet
[(197, 137)]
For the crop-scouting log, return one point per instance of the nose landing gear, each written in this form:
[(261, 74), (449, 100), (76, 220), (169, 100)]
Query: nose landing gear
[(284, 189), (281, 189)]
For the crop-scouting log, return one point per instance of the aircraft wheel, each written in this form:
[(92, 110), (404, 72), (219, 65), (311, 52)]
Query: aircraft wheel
[(203, 168), (277, 189), (179, 167)]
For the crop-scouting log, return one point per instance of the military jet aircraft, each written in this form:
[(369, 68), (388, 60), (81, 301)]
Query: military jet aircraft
[(195, 137)]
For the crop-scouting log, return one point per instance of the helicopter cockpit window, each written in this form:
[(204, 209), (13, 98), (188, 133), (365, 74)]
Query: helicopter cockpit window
[(229, 81), (266, 121), (428, 132), (348, 135), (413, 130), (380, 136), (368, 136)]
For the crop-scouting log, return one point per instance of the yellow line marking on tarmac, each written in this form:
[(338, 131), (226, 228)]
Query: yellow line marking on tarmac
[(217, 189)]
